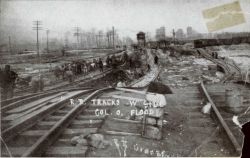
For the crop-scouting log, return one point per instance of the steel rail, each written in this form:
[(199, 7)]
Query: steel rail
[(225, 67), (68, 84), (12, 103), (14, 130), (40, 146), (46, 140), (9, 101), (222, 122), (224, 64), (106, 71)]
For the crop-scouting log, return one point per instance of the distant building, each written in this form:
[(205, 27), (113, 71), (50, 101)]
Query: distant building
[(192, 34), (179, 34), (189, 31), (160, 34)]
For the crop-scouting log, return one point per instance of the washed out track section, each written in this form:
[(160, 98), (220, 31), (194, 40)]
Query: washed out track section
[(22, 131), (145, 80), (150, 76)]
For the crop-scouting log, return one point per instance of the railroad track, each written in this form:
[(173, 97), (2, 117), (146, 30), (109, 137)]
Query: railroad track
[(44, 127), (26, 98), (230, 69), (29, 89), (225, 122), (199, 121), (19, 112), (65, 83), (26, 93), (213, 132), (29, 136)]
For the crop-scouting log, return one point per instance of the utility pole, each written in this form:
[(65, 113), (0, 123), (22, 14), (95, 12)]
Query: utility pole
[(37, 27), (174, 36), (66, 41), (96, 40), (82, 40), (47, 32), (10, 50), (108, 34), (88, 40), (77, 34), (113, 32), (100, 39)]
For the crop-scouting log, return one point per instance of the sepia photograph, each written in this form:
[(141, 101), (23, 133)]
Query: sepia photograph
[(125, 78)]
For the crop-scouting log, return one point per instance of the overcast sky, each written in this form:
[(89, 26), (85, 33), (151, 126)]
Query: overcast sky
[(127, 16)]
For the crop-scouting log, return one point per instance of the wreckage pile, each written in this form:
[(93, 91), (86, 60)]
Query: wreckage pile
[(188, 70)]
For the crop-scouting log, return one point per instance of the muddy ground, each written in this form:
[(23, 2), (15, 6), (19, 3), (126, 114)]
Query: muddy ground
[(186, 130)]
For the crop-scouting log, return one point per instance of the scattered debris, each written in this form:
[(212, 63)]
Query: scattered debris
[(153, 132), (93, 140), (236, 121), (206, 109), (97, 140), (79, 140), (165, 122), (121, 84), (213, 79)]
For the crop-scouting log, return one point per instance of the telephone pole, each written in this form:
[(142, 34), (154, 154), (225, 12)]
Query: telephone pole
[(82, 40), (174, 36), (108, 37), (77, 34), (10, 49), (113, 33), (37, 27), (98, 39), (47, 32)]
